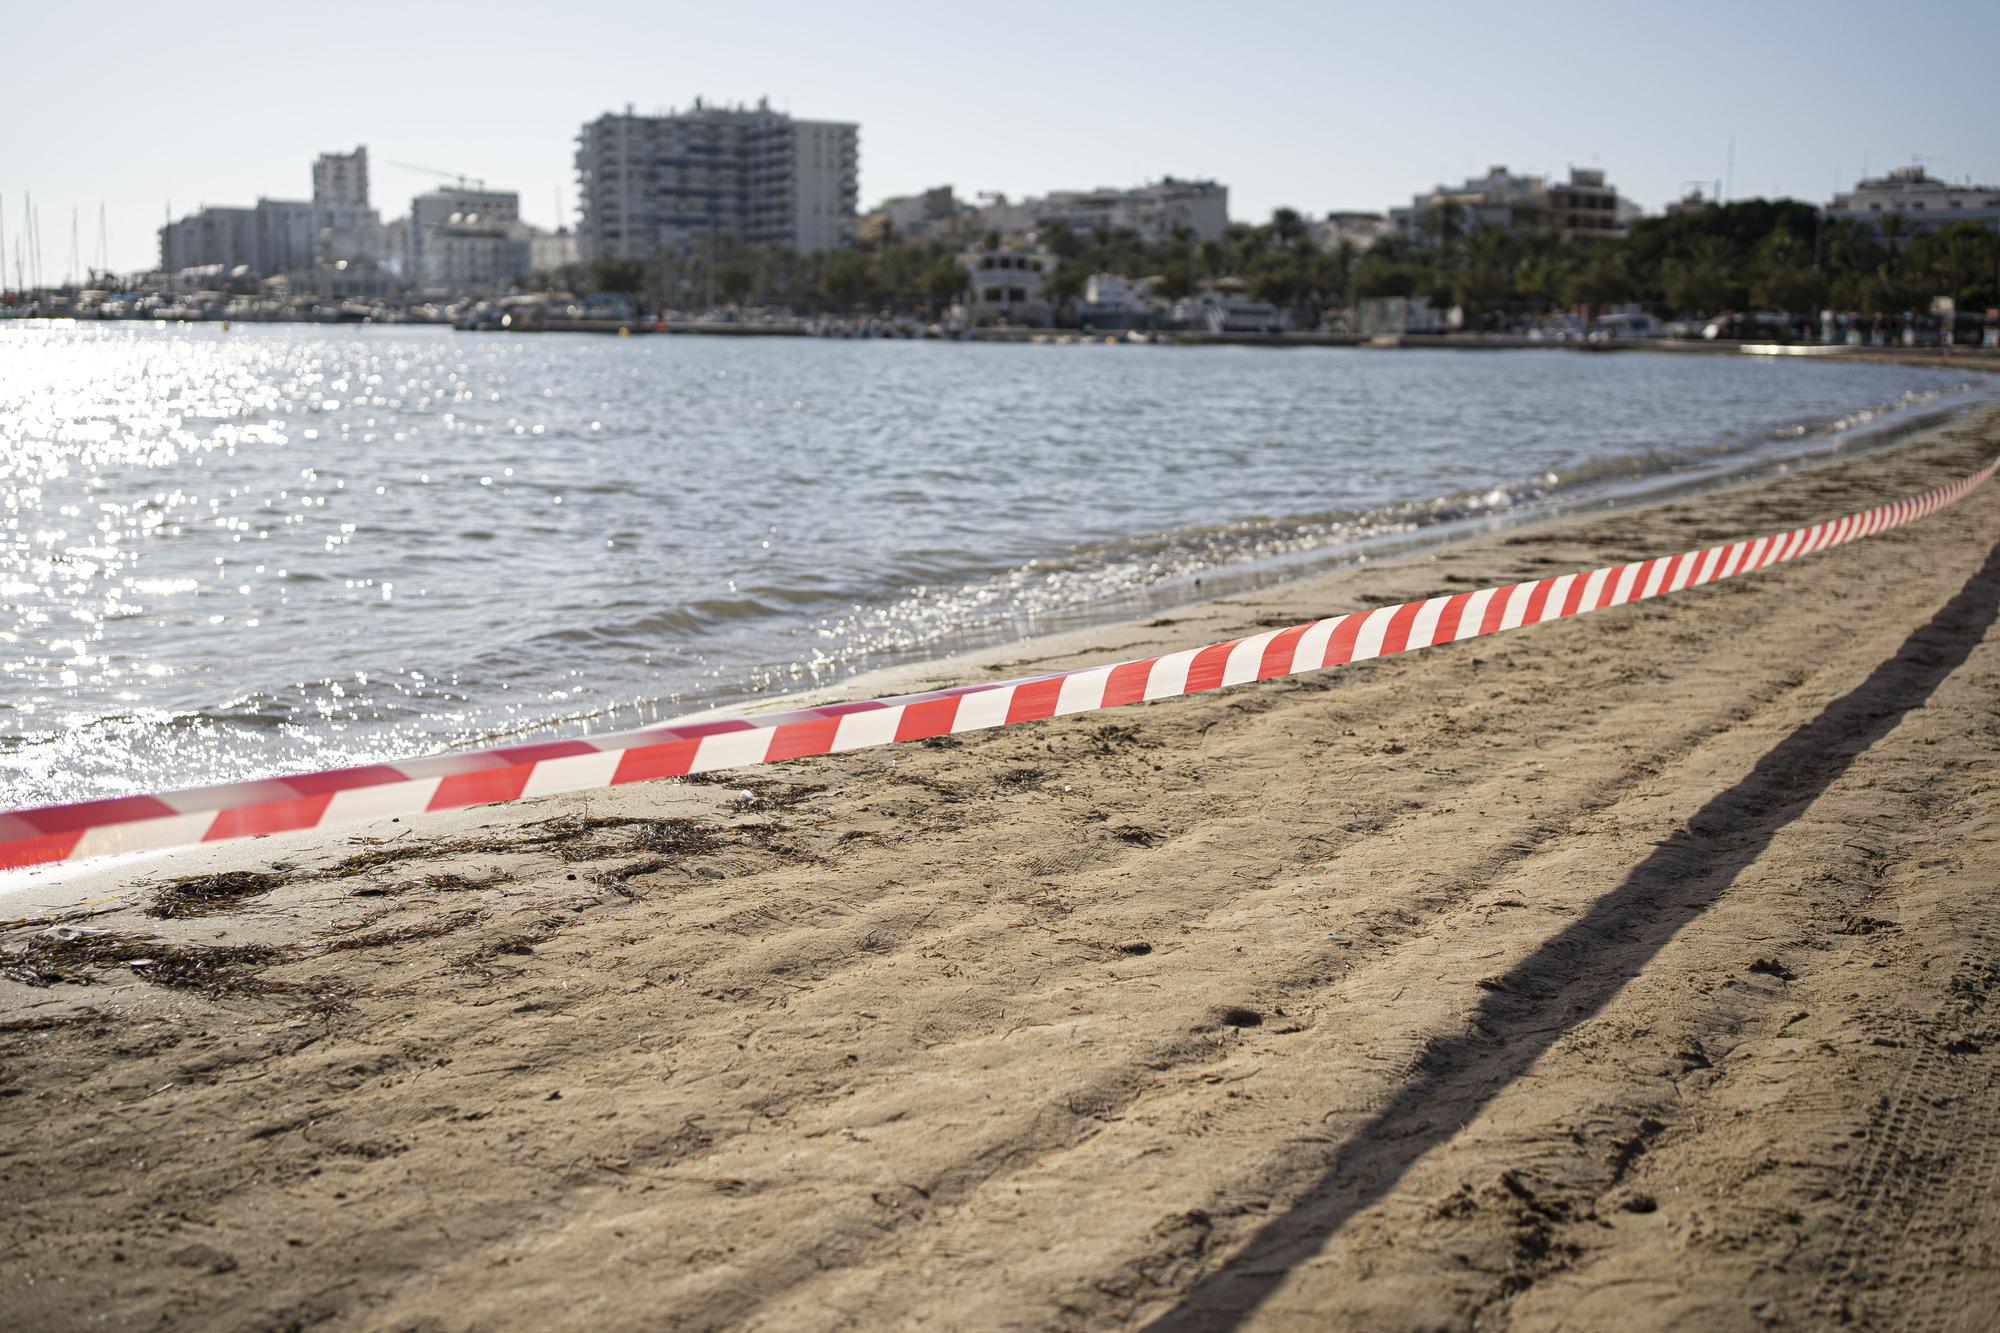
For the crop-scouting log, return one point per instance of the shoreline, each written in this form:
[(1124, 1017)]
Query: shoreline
[(1505, 979), (1090, 642), (1955, 355), (1080, 637)]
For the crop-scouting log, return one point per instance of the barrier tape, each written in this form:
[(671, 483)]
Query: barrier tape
[(521, 772)]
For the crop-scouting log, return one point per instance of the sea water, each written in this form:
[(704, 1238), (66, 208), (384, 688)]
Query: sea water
[(280, 548)]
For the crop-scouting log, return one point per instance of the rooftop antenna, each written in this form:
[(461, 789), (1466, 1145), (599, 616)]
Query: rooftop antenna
[(3, 243)]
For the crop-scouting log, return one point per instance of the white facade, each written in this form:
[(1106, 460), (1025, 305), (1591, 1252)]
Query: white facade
[(1584, 206), (914, 217), (341, 178), (672, 182), (823, 185), (465, 241), (285, 234), (1154, 210), (349, 233), (1008, 285), (346, 230), (224, 237), (1360, 230), (1921, 200), (550, 250)]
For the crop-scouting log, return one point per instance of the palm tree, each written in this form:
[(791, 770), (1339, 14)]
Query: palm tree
[(1894, 228)]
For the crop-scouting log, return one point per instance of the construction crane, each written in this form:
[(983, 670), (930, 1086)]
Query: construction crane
[(464, 181)]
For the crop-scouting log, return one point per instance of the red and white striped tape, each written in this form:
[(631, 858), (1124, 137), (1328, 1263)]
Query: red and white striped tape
[(518, 772)]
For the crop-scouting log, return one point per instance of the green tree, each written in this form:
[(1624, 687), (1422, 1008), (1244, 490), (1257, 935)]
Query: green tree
[(944, 281), (617, 275), (1060, 239), (1289, 226), (734, 280), (846, 279), (1378, 277), (1067, 282)]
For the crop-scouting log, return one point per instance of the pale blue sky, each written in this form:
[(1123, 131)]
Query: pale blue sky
[(1314, 105)]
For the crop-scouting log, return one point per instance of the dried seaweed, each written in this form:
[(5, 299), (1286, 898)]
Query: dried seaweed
[(78, 958), (202, 895)]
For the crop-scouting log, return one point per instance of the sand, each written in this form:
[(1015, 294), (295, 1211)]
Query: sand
[(1632, 971)]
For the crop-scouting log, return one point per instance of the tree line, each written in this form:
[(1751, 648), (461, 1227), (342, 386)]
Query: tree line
[(1757, 254)]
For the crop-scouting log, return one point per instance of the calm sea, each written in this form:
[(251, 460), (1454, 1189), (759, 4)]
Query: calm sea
[(280, 548)]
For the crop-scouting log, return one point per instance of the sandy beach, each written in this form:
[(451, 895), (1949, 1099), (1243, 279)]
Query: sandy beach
[(1637, 970)]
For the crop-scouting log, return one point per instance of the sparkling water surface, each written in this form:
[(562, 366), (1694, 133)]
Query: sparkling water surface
[(280, 548)]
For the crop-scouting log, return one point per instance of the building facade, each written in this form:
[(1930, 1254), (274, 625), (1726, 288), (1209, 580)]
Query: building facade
[(287, 235), (673, 182), (1584, 206), (1008, 286), (935, 214), (341, 178), (286, 229), (465, 241), (1155, 210), (1924, 202), (347, 231), (1357, 230), (207, 237), (550, 250)]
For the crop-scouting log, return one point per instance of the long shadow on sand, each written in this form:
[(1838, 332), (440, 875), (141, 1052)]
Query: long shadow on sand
[(1576, 972)]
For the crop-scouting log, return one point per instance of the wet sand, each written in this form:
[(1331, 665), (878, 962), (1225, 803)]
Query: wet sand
[(1638, 970)]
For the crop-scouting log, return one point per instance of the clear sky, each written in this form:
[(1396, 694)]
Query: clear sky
[(133, 106)]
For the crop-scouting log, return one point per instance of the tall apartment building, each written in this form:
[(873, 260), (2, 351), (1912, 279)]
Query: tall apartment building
[(341, 178), (287, 230), (671, 182), (345, 228)]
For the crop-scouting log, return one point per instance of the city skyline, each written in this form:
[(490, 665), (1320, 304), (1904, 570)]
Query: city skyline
[(1312, 108)]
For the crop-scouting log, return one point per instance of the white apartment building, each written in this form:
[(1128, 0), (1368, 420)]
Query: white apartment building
[(935, 213), (346, 229), (460, 240), (1154, 209), (1584, 206), (210, 236), (286, 233), (341, 178), (550, 250), (1924, 202), (337, 229), (673, 181)]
